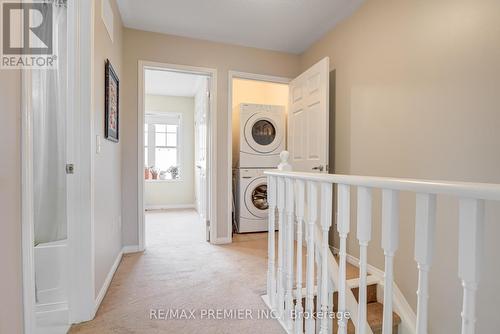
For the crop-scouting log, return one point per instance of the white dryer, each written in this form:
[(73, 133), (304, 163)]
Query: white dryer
[(260, 135), (251, 200)]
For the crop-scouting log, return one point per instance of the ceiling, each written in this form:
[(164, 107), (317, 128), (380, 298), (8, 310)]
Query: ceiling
[(169, 83), (282, 25)]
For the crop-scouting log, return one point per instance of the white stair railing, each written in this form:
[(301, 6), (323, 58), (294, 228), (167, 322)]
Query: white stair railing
[(299, 197)]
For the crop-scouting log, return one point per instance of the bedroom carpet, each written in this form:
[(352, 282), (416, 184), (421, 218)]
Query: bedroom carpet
[(180, 270)]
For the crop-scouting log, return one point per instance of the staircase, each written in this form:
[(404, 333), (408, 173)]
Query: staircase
[(305, 277), (374, 308)]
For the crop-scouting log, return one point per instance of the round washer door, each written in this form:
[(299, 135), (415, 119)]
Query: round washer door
[(262, 133), (256, 197)]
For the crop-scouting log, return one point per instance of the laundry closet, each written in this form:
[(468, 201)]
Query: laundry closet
[(259, 135)]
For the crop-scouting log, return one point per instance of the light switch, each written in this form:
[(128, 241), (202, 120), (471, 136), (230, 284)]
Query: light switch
[(98, 144)]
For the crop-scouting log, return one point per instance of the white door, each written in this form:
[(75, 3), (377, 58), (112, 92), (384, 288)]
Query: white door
[(308, 119), (201, 133)]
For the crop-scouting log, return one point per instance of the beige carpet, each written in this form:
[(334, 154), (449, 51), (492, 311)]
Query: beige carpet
[(180, 270)]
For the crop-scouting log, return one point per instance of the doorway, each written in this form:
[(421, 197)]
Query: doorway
[(176, 145), (258, 108), (255, 142), (57, 248)]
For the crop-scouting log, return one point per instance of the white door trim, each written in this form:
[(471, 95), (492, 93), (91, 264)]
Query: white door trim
[(80, 223), (81, 228), (239, 75), (211, 144), (27, 207)]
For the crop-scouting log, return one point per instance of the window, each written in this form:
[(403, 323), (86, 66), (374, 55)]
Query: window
[(161, 146)]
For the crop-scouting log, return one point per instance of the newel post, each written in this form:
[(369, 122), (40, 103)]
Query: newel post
[(271, 273), (284, 165)]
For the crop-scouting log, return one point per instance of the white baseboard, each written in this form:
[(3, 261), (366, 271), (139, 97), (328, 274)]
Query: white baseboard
[(170, 206), (107, 282), (131, 249)]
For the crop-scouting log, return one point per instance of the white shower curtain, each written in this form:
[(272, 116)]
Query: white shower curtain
[(49, 106)]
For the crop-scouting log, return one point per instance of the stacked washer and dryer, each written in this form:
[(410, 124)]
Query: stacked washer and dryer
[(260, 135)]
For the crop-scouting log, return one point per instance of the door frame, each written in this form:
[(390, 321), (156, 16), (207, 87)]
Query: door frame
[(248, 76), (211, 143), (80, 208)]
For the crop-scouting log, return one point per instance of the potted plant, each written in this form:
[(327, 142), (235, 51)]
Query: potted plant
[(174, 172), (154, 173)]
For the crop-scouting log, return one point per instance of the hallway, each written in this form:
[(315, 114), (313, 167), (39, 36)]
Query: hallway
[(180, 270)]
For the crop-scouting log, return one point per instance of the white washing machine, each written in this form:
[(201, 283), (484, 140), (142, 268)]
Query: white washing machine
[(251, 200), (260, 135)]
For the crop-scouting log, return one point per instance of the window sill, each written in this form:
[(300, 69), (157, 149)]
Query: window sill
[(163, 181)]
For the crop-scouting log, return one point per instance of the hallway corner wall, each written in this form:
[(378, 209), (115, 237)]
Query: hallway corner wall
[(11, 302), (107, 163)]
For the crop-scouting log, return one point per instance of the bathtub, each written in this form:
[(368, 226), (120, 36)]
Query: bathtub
[(51, 281)]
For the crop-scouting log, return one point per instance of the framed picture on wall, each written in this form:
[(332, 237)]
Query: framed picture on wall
[(111, 103)]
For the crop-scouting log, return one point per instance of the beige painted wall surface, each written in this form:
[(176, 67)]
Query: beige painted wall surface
[(157, 193), (259, 92), (11, 308), (107, 164), (418, 96), (140, 45)]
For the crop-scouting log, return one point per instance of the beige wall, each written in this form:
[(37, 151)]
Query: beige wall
[(140, 45), (259, 92), (107, 164), (11, 309), (168, 192), (417, 95)]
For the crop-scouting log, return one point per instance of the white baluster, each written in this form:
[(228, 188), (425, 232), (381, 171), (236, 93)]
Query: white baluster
[(271, 274), (289, 252), (312, 205), (299, 213), (364, 232), (425, 222), (343, 229), (471, 227), (319, 290), (390, 242), (326, 222), (281, 245), (330, 298)]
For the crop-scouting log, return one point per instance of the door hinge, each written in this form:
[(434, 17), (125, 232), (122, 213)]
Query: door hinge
[(208, 231)]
